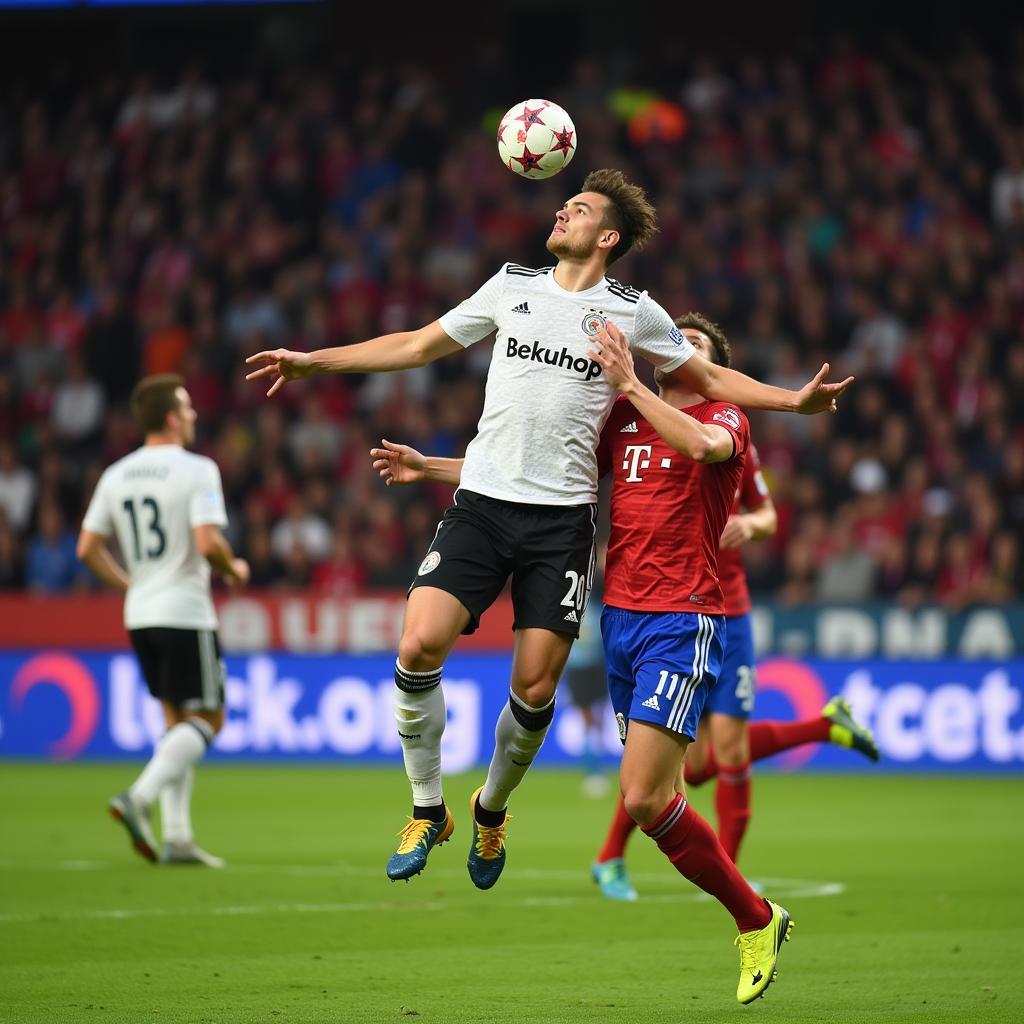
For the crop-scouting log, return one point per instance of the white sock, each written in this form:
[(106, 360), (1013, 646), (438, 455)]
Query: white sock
[(180, 748), (517, 739), (176, 808), (420, 716)]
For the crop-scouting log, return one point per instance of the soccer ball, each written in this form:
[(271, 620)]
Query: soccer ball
[(536, 139)]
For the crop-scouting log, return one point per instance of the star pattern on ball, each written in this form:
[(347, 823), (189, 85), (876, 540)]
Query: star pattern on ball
[(529, 161), (501, 131), (529, 116), (563, 141)]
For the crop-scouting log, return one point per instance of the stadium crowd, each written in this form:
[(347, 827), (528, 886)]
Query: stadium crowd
[(868, 211)]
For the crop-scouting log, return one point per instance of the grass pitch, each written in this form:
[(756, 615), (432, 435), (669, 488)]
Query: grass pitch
[(906, 894)]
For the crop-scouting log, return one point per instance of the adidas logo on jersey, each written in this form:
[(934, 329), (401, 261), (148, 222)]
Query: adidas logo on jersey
[(571, 617), (652, 703), (629, 428), (523, 307)]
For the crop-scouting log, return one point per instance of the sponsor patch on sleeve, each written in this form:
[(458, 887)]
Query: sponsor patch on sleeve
[(677, 336), (730, 417), (762, 487)]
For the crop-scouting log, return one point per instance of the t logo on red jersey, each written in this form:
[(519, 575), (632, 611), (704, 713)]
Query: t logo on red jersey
[(638, 456)]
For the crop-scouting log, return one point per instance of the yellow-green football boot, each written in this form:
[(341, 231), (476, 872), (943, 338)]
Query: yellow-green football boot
[(759, 954), (846, 731)]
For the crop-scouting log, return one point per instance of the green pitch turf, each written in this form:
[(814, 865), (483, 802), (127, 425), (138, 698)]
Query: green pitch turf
[(906, 895)]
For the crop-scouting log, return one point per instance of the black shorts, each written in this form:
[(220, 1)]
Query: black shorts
[(548, 550), (181, 666)]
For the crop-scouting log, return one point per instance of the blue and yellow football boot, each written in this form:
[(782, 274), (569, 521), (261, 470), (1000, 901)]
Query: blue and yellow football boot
[(487, 852), (418, 838)]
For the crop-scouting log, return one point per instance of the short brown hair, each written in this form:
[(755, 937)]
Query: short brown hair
[(719, 342), (153, 398), (629, 212)]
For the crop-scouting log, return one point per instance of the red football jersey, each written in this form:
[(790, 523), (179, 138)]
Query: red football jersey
[(667, 512), (751, 494)]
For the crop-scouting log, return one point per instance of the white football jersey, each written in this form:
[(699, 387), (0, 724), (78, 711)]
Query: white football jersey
[(151, 499), (546, 399)]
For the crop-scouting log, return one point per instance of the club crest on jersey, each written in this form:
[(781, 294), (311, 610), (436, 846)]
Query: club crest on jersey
[(430, 563), (593, 321), (728, 416)]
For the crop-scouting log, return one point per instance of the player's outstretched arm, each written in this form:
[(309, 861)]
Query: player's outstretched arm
[(762, 522), (400, 464), (702, 442), (721, 384), (214, 547), (400, 351), (92, 550)]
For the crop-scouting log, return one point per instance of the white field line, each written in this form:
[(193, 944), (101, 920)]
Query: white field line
[(781, 887), (793, 886), (230, 911)]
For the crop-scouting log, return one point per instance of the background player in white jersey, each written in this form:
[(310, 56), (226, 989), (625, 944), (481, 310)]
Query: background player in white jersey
[(165, 505), (526, 506)]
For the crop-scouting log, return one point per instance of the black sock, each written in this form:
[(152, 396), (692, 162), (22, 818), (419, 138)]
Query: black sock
[(435, 813), (489, 819)]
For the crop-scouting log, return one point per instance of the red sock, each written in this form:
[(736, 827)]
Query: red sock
[(732, 804), (619, 832), (709, 771), (767, 738), (695, 852)]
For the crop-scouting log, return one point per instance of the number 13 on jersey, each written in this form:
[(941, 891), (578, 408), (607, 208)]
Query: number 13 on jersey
[(156, 540)]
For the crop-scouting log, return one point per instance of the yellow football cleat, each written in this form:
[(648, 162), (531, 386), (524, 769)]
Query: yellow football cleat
[(846, 731), (759, 954)]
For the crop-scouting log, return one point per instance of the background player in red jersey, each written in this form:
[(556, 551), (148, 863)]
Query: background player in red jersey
[(663, 623), (723, 728), (726, 743)]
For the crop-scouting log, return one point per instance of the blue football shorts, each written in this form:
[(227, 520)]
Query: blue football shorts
[(661, 666), (736, 688)]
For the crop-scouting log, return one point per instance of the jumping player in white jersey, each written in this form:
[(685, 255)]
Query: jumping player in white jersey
[(526, 506), (166, 508)]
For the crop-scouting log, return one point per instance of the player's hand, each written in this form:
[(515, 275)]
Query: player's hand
[(279, 365), (240, 576), (398, 463), (817, 396), (611, 351), (736, 533)]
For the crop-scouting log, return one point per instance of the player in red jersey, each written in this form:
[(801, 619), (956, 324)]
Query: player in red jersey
[(663, 623), (664, 620), (726, 742)]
